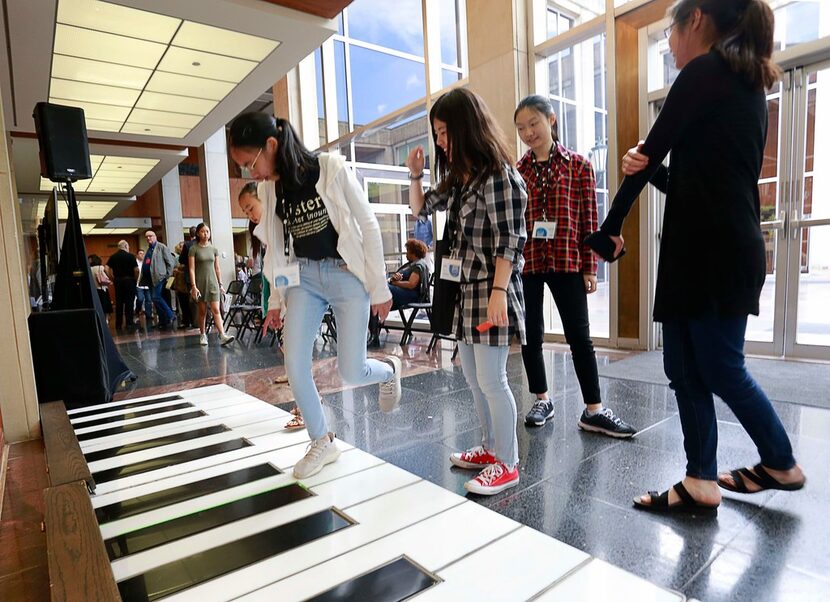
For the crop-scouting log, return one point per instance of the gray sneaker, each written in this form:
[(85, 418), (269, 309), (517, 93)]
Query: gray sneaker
[(320, 452), (390, 391), (606, 423), (540, 413)]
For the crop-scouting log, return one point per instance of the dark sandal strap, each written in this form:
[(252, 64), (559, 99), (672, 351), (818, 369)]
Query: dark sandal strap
[(685, 496), (659, 500), (738, 479)]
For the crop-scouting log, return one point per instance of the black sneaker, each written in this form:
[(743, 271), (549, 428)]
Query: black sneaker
[(541, 411), (606, 423)]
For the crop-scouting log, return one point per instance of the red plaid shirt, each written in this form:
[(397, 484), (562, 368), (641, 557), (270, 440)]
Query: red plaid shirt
[(562, 190)]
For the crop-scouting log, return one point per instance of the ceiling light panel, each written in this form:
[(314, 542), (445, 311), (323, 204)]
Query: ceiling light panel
[(88, 44), (103, 16), (185, 85), (178, 120), (95, 110), (102, 125), (130, 162), (85, 228), (204, 37), (107, 95), (155, 130), (198, 63), (172, 102), (99, 72)]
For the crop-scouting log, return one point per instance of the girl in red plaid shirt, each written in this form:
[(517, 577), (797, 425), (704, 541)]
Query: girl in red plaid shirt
[(561, 212)]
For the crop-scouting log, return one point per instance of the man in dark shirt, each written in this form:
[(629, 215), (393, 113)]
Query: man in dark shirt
[(186, 301), (123, 270)]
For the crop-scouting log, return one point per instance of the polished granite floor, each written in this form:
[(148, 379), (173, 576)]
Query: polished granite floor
[(576, 487)]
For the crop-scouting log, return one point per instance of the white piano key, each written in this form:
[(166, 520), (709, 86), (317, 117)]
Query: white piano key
[(376, 518), (186, 394), (283, 439), (598, 580), (248, 431), (365, 485), (467, 578), (431, 543), (173, 427)]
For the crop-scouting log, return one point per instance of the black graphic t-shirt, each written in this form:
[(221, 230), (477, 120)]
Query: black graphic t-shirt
[(307, 219)]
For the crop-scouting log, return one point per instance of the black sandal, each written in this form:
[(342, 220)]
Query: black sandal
[(760, 477), (687, 504)]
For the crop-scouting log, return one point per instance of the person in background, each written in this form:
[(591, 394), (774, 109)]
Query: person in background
[(485, 200), (206, 285), (123, 271), (102, 283), (712, 261), (157, 268), (186, 302), (561, 212), (143, 296), (325, 247)]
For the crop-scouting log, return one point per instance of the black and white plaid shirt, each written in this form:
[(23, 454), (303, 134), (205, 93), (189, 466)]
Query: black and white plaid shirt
[(491, 224)]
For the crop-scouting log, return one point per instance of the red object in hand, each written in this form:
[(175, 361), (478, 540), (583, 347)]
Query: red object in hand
[(484, 327)]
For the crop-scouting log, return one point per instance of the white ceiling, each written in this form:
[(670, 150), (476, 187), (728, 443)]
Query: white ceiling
[(177, 88)]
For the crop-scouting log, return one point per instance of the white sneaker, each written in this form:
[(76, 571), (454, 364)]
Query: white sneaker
[(320, 452), (390, 391), (203, 339), (226, 339)]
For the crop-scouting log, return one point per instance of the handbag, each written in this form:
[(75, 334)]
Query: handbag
[(446, 294), (180, 280)]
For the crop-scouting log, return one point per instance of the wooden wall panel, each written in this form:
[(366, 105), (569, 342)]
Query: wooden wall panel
[(104, 246), (191, 191), (147, 204)]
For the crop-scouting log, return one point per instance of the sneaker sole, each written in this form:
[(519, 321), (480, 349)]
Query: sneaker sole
[(328, 460), (228, 342), (397, 366), (468, 465), (544, 421), (473, 488), (602, 431)]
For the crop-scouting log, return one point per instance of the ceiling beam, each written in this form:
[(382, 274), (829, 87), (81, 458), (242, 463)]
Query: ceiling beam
[(320, 8)]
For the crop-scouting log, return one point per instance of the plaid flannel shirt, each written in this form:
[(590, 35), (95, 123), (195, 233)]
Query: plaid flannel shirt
[(491, 224), (561, 189)]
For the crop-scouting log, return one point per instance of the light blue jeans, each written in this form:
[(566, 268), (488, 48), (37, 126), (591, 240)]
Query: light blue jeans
[(323, 283), (485, 368)]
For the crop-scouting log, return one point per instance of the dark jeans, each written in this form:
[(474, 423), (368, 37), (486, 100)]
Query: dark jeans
[(703, 357), (124, 300), (571, 300), (163, 310), (402, 296)]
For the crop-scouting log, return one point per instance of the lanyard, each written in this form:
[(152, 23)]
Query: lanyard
[(543, 171), (285, 227)]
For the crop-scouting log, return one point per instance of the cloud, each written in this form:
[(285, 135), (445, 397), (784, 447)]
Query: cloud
[(382, 108), (413, 81), (396, 24)]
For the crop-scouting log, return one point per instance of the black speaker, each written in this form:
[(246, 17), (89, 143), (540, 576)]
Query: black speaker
[(64, 148)]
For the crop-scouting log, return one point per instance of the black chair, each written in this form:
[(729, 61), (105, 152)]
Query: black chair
[(424, 304), (236, 290), (250, 309)]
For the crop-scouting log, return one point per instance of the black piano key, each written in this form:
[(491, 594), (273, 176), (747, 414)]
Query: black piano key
[(174, 495), (128, 406), (129, 470), (393, 582), (131, 415), (136, 426), (184, 526), (221, 560), (169, 439)]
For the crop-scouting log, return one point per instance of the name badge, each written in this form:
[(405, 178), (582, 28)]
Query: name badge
[(545, 230), (287, 276), (451, 269)]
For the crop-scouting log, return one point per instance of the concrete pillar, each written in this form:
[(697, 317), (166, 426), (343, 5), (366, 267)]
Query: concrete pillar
[(216, 201), (18, 396), (171, 202), (497, 42)]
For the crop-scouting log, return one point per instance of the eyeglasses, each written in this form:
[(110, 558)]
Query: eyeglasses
[(668, 30), (253, 163)]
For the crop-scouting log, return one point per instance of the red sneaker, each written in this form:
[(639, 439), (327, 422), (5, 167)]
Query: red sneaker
[(493, 479), (475, 458)]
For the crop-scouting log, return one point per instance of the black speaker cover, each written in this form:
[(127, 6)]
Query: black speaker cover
[(64, 148)]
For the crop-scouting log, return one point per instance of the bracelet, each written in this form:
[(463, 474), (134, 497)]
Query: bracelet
[(420, 176), (500, 288)]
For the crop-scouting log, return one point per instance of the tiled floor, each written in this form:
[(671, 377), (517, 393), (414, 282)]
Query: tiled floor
[(575, 486)]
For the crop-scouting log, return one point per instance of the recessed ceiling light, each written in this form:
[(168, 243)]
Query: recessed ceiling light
[(196, 64)]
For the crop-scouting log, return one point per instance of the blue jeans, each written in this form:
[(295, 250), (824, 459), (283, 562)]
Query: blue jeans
[(703, 357), (403, 296), (165, 314), (145, 300), (485, 368), (324, 283)]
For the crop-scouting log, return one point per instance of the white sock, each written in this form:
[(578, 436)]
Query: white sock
[(595, 412)]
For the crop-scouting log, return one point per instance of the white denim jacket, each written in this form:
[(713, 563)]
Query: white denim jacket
[(358, 243)]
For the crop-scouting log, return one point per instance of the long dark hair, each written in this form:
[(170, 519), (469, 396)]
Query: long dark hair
[(745, 30), (476, 141), (199, 228), (252, 130), (537, 102)]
